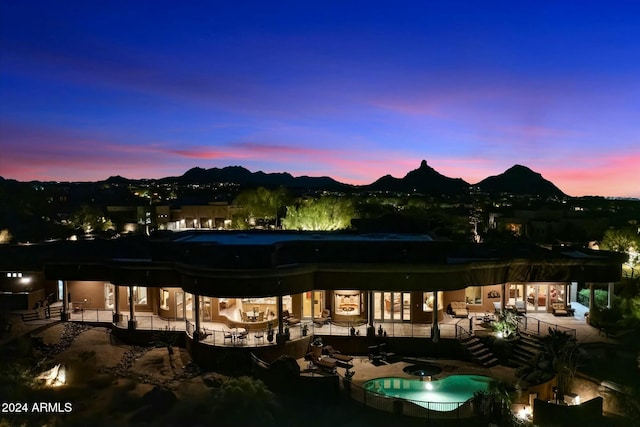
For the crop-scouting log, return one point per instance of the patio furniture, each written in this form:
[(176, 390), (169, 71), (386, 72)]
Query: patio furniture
[(259, 336), (242, 337), (326, 363), (332, 352), (228, 336), (459, 309), (497, 306), (374, 355), (385, 353), (520, 307), (324, 318), (559, 309), (289, 319)]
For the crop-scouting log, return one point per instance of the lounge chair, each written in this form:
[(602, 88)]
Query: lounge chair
[(521, 307), (385, 353), (374, 354), (324, 318), (335, 354), (289, 319), (326, 363), (497, 306), (459, 309)]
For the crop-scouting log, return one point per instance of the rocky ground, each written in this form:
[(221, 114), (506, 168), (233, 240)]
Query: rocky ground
[(109, 380)]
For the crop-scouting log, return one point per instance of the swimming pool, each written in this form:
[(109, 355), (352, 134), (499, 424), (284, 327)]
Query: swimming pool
[(446, 394)]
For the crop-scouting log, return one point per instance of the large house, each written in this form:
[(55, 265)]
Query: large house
[(256, 279)]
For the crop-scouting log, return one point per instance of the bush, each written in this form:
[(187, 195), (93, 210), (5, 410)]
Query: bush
[(601, 295)]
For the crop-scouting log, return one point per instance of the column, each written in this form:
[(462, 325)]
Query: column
[(370, 310), (196, 315), (132, 321), (116, 304), (435, 331), (609, 293), (64, 315), (503, 300), (279, 307)]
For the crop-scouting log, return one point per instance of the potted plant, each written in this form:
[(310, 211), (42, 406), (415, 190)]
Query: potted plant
[(269, 332), (316, 347)]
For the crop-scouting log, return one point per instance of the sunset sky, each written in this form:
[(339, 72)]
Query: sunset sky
[(352, 89)]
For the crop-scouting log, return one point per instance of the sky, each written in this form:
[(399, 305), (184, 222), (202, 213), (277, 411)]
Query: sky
[(349, 89)]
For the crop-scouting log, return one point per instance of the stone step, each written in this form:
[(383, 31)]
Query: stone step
[(480, 351), (484, 357), (490, 363), (475, 347)]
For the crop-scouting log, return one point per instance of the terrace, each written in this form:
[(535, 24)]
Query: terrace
[(217, 333)]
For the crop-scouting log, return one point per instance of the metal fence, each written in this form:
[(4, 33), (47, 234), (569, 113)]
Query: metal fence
[(535, 326), (412, 408)]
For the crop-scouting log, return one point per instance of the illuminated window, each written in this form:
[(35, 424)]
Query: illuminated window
[(473, 295), (428, 299), (164, 300), (139, 295)]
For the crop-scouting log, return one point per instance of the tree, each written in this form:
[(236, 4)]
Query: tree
[(624, 240), (166, 338), (5, 236), (563, 351), (244, 401), (90, 219), (260, 205), (324, 214)]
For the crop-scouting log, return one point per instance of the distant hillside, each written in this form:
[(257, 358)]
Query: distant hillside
[(424, 180), (519, 180), (244, 177)]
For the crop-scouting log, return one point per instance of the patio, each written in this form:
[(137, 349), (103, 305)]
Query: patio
[(450, 327)]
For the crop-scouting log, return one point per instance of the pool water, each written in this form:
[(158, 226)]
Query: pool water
[(445, 393)]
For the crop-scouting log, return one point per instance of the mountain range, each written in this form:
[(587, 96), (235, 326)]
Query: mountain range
[(517, 180)]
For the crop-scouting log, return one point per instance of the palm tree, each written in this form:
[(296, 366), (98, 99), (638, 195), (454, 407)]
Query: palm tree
[(563, 351)]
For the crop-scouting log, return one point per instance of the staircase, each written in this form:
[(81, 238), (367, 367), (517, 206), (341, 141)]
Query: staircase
[(53, 312), (479, 352), (525, 349)]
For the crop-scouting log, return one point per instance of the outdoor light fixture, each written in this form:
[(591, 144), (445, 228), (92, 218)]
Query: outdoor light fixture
[(571, 399), (429, 385), (524, 413), (54, 377)]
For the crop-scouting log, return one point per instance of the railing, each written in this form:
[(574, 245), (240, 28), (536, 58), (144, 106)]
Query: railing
[(461, 332), (216, 334), (535, 326), (409, 407), (387, 329), (91, 315), (144, 321)]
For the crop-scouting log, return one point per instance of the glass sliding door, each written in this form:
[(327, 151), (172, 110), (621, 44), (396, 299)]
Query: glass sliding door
[(537, 297), (395, 306), (180, 305)]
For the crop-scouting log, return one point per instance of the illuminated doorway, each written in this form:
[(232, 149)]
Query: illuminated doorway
[(392, 306)]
